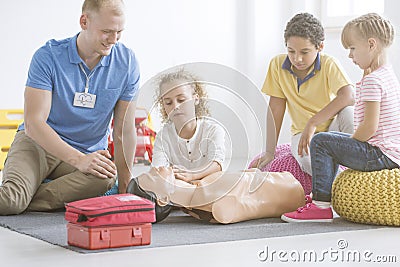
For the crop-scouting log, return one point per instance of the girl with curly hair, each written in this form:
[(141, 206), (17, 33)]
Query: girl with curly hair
[(191, 142)]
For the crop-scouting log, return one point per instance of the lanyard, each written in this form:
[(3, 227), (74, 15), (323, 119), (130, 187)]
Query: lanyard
[(87, 77)]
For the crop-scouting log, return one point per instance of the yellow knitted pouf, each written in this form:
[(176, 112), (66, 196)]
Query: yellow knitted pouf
[(368, 197)]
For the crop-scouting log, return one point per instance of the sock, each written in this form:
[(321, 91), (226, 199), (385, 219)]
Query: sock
[(322, 204)]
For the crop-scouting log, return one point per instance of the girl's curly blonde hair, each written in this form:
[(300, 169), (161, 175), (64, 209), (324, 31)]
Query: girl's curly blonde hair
[(187, 78)]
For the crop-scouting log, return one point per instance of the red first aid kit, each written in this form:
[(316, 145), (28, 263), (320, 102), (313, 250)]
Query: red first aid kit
[(101, 237), (119, 209), (110, 221)]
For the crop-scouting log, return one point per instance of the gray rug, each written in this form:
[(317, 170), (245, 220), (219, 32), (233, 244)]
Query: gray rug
[(177, 229)]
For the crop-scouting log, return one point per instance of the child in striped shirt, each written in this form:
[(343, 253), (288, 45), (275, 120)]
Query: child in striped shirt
[(375, 144)]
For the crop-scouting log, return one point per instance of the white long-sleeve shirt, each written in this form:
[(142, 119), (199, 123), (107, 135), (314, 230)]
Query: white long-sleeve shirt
[(206, 145)]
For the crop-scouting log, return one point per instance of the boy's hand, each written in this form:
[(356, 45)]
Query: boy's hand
[(305, 139)]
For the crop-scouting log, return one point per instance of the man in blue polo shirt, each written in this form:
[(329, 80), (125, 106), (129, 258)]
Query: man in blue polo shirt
[(74, 88)]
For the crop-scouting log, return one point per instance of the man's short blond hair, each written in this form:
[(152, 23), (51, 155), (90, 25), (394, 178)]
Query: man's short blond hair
[(95, 5)]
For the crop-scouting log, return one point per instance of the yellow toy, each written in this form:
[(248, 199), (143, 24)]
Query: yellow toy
[(10, 119)]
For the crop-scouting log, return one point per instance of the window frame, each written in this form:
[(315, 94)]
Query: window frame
[(335, 22)]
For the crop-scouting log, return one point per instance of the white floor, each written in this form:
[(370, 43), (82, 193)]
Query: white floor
[(357, 248), (364, 247)]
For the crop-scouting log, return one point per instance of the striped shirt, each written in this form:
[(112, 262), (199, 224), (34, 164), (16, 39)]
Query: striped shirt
[(381, 86)]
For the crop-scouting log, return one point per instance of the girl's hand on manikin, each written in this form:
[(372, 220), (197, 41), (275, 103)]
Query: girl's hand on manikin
[(183, 174)]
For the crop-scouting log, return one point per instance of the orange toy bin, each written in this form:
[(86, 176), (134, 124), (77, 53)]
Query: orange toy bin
[(102, 237)]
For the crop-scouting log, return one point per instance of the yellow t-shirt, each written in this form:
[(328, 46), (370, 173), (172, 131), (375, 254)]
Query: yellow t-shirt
[(304, 101)]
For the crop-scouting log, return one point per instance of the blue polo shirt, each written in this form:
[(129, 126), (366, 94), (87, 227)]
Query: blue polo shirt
[(55, 67)]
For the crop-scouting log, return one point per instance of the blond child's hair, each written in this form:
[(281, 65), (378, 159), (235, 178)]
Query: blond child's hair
[(370, 25), (186, 78)]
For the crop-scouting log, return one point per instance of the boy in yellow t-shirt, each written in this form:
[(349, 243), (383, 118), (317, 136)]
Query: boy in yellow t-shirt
[(313, 87)]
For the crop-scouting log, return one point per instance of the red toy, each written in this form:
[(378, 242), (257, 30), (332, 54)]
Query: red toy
[(145, 137), (110, 221), (100, 237), (110, 210)]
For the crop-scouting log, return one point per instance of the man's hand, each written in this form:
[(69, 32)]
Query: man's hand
[(97, 163)]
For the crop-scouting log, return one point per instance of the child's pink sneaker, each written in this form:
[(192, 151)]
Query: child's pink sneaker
[(309, 213)]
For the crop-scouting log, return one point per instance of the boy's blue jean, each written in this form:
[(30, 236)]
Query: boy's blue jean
[(329, 149)]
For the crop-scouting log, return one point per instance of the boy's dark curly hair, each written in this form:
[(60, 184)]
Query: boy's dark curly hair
[(306, 26)]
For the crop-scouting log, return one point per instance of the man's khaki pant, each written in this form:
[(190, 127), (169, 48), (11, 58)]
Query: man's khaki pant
[(28, 165)]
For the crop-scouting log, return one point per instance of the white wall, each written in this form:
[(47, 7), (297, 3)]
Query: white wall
[(241, 34), (162, 34)]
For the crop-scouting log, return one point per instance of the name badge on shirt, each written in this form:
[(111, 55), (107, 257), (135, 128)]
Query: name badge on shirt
[(84, 100)]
